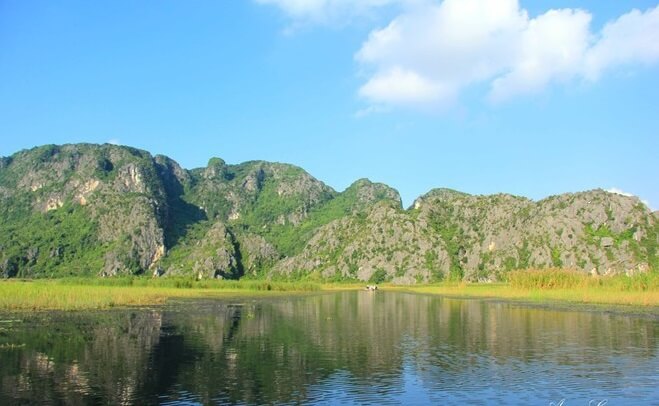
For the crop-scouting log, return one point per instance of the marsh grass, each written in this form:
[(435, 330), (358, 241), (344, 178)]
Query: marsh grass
[(548, 279), (45, 295), (106, 293), (187, 283), (96, 293), (558, 285)]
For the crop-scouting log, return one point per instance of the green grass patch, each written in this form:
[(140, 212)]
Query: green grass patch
[(99, 293), (556, 285), (569, 279), (188, 283)]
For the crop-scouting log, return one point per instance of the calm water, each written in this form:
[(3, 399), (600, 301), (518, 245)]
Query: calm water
[(343, 348)]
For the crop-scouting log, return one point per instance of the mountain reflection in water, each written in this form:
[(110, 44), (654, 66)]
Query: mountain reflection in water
[(338, 348)]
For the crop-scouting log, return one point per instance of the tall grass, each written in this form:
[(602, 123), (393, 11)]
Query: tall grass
[(104, 293), (549, 279), (43, 295), (571, 279), (187, 283), (556, 285), (97, 293)]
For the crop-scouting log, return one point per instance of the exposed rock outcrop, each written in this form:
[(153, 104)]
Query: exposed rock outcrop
[(115, 190), (111, 210), (256, 254), (384, 243)]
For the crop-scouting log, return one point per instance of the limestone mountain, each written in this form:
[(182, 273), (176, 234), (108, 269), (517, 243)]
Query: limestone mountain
[(109, 210), (381, 243), (448, 234), (593, 230), (81, 210)]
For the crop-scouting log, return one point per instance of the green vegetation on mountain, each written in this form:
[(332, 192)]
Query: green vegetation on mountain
[(85, 210)]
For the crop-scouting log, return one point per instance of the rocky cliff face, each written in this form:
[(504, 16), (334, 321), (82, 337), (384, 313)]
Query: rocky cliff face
[(109, 210), (594, 231), (91, 209), (257, 192), (382, 243), (448, 234)]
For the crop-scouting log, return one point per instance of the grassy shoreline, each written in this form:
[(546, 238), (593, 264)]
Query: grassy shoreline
[(99, 294), (557, 286), (593, 296), (546, 286)]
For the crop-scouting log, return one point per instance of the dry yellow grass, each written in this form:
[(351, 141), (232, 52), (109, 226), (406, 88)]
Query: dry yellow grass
[(558, 285), (536, 286), (55, 295), (50, 296), (587, 295)]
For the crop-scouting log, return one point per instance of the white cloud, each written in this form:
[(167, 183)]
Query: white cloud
[(445, 46), (549, 48), (400, 86), (632, 38), (430, 53), (114, 141), (435, 49)]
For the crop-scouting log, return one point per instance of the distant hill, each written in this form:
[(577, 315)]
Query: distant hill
[(110, 210)]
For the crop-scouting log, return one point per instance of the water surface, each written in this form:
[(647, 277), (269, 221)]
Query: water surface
[(338, 348)]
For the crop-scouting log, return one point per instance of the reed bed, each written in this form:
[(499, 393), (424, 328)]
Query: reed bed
[(43, 295), (81, 293), (532, 285), (571, 279), (187, 283), (556, 285)]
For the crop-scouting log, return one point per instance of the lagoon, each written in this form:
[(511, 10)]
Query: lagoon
[(330, 348)]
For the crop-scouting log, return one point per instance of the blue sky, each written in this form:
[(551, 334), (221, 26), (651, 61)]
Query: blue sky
[(530, 98)]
